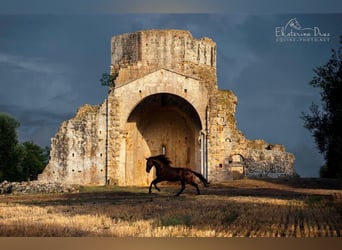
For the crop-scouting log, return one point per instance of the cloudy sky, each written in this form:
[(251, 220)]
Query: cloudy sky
[(51, 61)]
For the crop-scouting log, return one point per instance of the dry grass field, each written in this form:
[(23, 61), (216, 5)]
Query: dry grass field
[(243, 208)]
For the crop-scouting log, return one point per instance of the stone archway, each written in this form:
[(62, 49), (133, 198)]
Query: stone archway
[(165, 99), (161, 123)]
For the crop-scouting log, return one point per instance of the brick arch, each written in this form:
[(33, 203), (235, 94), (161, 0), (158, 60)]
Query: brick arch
[(163, 81), (126, 159), (161, 123), (169, 99)]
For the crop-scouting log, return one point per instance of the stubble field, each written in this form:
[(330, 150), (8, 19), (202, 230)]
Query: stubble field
[(242, 208)]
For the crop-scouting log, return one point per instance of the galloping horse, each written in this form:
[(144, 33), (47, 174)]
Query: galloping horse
[(165, 172)]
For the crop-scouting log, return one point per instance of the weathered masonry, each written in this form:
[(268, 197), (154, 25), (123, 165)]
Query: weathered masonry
[(165, 100)]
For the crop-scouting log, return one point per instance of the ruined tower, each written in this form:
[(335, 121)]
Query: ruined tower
[(165, 100)]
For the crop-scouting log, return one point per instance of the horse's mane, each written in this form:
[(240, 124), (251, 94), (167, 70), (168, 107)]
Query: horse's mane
[(162, 158)]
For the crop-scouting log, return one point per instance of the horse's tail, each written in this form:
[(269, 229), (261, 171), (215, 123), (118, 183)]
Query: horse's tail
[(203, 180)]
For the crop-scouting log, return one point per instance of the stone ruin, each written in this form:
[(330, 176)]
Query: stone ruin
[(165, 101), (33, 187)]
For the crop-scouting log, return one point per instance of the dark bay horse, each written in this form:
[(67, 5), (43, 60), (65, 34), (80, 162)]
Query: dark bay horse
[(165, 172)]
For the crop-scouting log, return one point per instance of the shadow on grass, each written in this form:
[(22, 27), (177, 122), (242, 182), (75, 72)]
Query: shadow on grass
[(308, 183), (139, 195)]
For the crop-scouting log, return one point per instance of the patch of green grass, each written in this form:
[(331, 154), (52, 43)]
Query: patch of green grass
[(230, 218), (177, 220), (313, 201)]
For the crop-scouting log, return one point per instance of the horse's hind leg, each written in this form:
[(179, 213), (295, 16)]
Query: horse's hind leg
[(196, 186), (182, 189)]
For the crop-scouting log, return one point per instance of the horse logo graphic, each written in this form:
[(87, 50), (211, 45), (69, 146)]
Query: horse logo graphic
[(294, 32), (294, 24)]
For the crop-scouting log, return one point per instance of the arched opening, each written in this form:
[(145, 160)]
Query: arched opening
[(237, 166), (161, 124)]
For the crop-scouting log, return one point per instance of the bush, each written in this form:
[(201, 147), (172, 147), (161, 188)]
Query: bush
[(323, 172)]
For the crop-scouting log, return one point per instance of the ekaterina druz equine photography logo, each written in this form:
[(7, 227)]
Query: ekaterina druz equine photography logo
[(294, 32)]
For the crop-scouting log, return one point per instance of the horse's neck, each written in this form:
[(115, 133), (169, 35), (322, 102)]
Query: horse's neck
[(160, 166)]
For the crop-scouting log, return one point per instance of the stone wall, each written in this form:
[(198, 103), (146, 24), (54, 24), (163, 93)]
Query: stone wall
[(125, 103), (257, 158), (33, 187), (146, 63), (262, 159), (137, 54), (78, 150)]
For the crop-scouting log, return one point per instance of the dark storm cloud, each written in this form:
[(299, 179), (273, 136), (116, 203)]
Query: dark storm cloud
[(51, 65), (36, 125), (273, 87), (44, 68), (33, 82)]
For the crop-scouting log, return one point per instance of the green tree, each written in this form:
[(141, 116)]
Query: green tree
[(108, 79), (10, 153), (325, 121), (19, 162), (34, 160)]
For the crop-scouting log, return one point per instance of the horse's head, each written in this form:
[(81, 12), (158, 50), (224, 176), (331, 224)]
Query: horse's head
[(149, 164), (158, 161), (293, 23)]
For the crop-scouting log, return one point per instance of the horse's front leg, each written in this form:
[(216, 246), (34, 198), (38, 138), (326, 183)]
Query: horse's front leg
[(154, 182)]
